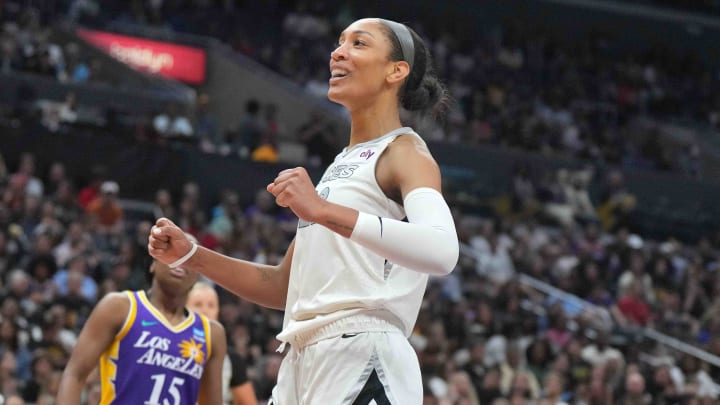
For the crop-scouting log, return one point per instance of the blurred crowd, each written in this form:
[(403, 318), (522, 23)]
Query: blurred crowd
[(484, 335), (514, 84), (27, 45)]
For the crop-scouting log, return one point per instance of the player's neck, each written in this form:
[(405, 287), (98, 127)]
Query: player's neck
[(172, 306), (373, 122)]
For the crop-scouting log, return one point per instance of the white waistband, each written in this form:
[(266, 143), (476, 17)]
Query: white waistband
[(363, 322)]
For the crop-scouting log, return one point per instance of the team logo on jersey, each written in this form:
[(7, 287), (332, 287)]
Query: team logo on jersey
[(338, 172), (324, 195), (190, 349)]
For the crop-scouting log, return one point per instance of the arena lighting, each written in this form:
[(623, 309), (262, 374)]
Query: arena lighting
[(178, 62)]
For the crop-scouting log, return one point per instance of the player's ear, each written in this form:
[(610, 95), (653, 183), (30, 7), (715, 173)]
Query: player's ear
[(399, 70)]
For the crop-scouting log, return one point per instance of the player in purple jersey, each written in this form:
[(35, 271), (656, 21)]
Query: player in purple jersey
[(151, 350)]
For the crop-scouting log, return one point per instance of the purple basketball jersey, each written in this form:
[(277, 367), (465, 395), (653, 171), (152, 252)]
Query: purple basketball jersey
[(151, 362)]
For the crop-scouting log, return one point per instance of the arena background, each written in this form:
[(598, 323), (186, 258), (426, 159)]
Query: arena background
[(581, 157)]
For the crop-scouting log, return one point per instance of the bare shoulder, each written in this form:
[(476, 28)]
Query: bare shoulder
[(117, 302), (408, 164), (409, 144), (112, 309), (216, 327)]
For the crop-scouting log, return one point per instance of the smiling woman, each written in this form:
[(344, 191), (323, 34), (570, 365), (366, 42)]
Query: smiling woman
[(352, 281)]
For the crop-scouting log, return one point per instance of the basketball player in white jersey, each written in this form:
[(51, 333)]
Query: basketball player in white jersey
[(352, 281)]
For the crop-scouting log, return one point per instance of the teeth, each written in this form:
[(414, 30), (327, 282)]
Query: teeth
[(179, 271), (339, 73)]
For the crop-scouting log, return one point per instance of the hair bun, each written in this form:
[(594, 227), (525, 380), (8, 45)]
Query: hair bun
[(429, 95)]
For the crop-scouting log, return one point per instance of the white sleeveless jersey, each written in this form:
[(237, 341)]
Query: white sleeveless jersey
[(333, 277)]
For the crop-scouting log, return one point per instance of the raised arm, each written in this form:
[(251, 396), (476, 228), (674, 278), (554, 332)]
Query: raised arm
[(97, 335), (259, 283)]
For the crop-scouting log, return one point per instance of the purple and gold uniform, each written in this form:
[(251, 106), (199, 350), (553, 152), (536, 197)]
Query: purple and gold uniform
[(152, 362)]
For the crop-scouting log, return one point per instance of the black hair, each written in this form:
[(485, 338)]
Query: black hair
[(422, 90)]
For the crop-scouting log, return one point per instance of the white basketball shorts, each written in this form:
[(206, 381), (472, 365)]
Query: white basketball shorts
[(352, 368)]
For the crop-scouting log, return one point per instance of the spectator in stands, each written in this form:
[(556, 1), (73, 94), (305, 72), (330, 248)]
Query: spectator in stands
[(698, 384), (599, 352), (206, 126), (319, 138), (13, 340), (266, 151), (636, 272), (461, 390), (476, 367), (632, 309), (250, 129), (269, 369), (635, 393), (538, 357), (75, 242), (553, 389), (89, 192), (665, 385), (515, 377), (25, 177), (170, 123), (57, 174), (9, 57), (164, 206), (76, 276), (42, 370), (78, 70), (105, 210), (617, 202), (67, 112)]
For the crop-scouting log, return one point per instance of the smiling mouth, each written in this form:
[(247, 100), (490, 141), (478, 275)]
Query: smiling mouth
[(178, 272), (337, 74)]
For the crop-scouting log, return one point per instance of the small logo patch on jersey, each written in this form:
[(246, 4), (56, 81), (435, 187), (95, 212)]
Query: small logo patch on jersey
[(367, 154), (199, 334), (148, 323)]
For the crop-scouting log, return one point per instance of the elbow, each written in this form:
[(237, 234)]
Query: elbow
[(446, 258)]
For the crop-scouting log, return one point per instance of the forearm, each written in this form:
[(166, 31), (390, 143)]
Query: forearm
[(259, 283), (427, 243), (338, 218), (70, 390)]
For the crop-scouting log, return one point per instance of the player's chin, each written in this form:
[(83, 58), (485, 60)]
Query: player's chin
[(335, 95)]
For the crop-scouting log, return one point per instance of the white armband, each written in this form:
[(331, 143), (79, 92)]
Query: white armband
[(427, 243), (179, 262)]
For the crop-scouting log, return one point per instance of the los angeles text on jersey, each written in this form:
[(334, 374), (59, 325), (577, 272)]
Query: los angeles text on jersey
[(157, 355)]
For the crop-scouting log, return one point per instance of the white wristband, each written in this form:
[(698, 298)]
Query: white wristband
[(179, 262)]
